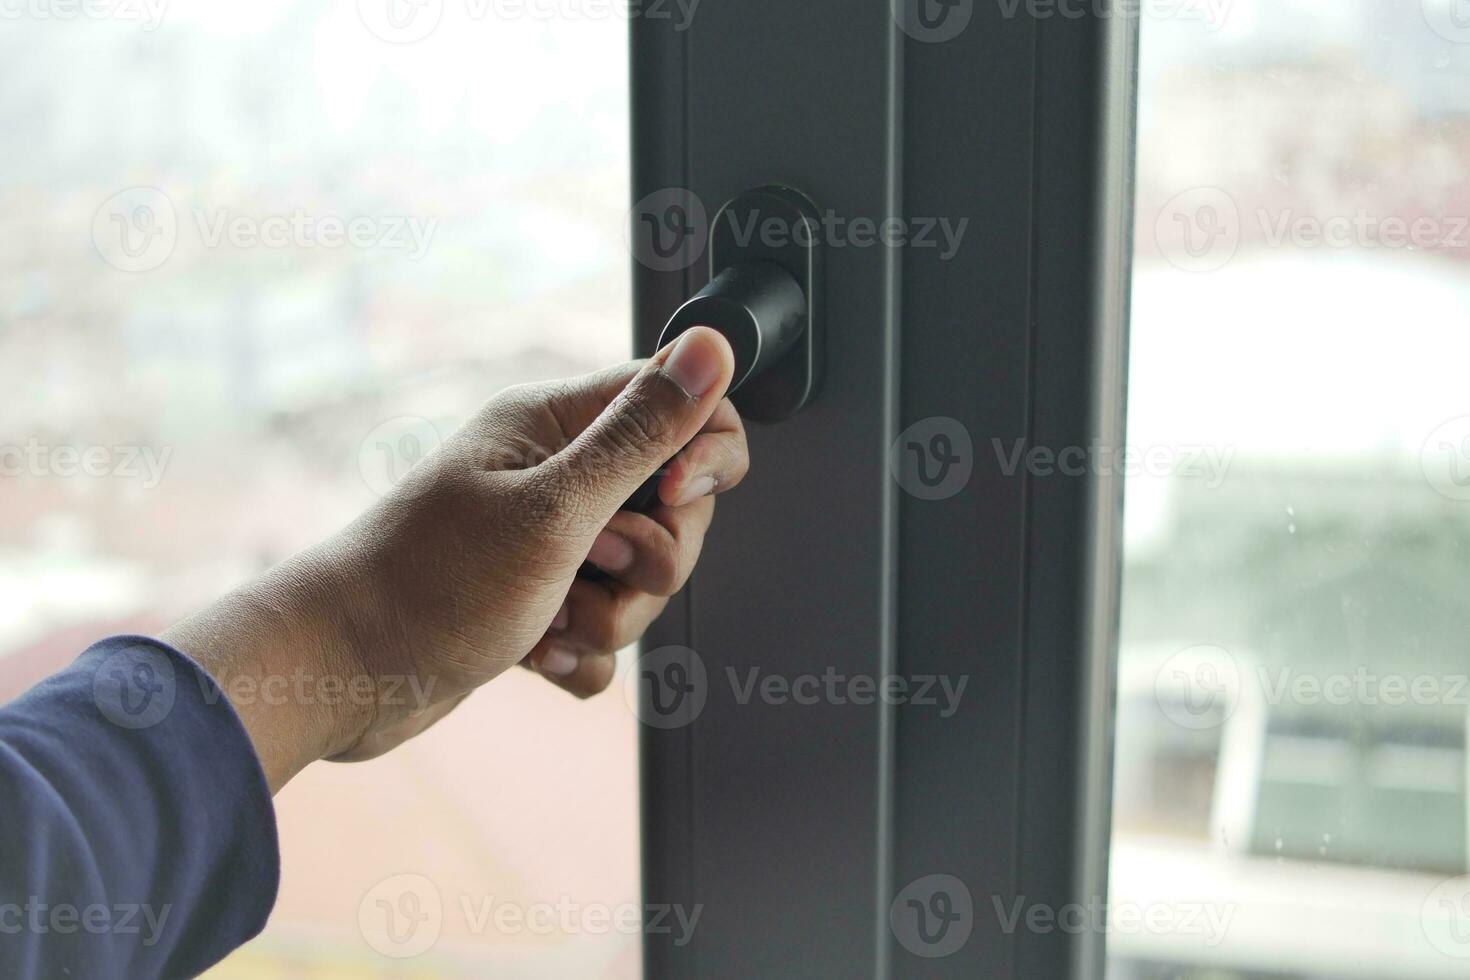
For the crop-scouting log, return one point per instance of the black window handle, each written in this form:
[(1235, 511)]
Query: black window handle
[(764, 298)]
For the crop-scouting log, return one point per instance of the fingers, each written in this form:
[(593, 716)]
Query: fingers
[(602, 618), (665, 405), (713, 462), (654, 552)]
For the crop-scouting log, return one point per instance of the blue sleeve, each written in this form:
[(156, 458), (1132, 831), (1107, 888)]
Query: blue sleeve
[(138, 836)]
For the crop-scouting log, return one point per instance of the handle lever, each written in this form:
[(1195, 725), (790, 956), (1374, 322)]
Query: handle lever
[(763, 298)]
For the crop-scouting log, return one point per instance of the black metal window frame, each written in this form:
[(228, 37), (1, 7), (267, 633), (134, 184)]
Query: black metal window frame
[(794, 829)]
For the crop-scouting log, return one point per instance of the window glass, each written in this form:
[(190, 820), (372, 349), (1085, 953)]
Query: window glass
[(1290, 780), (255, 259)]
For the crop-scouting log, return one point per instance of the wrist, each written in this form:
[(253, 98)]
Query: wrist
[(282, 650)]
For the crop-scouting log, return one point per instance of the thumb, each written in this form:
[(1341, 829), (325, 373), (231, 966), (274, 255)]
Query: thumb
[(661, 409)]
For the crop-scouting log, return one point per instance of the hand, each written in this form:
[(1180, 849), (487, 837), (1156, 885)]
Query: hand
[(469, 565)]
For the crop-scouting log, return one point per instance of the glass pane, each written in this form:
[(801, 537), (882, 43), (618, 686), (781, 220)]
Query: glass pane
[(255, 258), (1290, 784)]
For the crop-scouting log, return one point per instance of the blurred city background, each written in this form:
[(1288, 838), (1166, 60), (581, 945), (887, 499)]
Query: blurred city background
[(1296, 605), (1299, 342), (280, 388)]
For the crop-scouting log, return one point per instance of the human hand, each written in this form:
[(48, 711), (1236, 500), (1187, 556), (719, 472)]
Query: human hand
[(469, 565)]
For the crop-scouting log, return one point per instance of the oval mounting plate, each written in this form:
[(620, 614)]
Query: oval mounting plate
[(777, 224)]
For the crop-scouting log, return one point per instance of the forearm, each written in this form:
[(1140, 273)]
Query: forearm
[(274, 646)]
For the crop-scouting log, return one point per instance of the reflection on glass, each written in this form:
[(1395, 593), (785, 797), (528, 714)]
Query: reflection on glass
[(1294, 679), (257, 258)]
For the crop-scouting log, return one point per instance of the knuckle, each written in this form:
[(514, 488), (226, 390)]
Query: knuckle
[(511, 401), (551, 497), (597, 676), (635, 425), (665, 576), (604, 632), (738, 465)]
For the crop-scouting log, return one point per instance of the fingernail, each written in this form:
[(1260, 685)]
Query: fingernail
[(695, 362), (611, 552), (559, 662), (696, 489), (563, 615)]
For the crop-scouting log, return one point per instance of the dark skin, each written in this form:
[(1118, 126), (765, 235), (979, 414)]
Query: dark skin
[(469, 566)]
